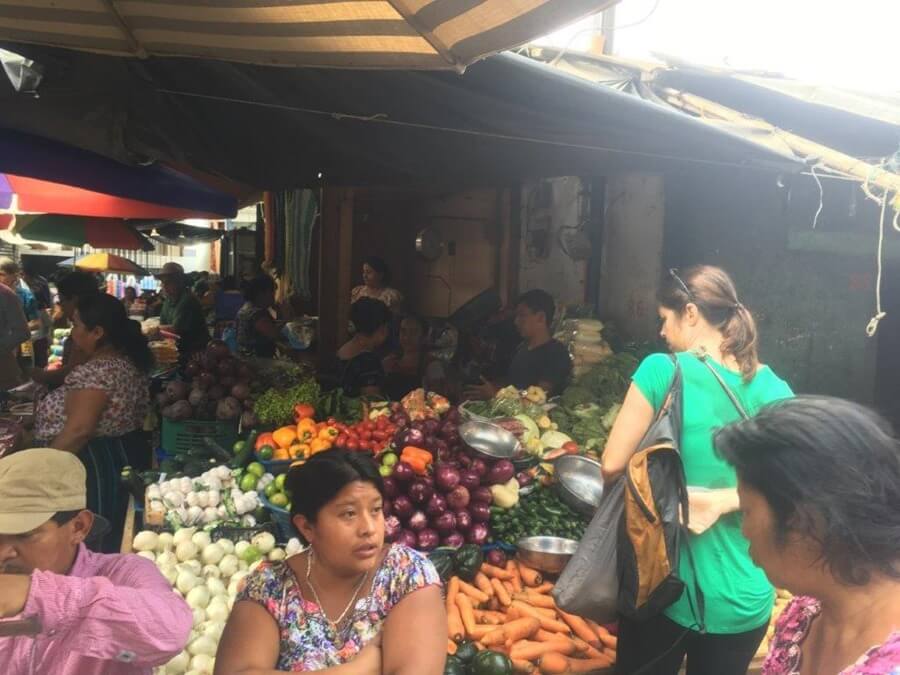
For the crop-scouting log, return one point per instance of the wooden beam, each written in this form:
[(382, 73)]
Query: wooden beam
[(335, 273)]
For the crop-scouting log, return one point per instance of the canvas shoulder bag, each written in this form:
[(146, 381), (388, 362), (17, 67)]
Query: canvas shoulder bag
[(655, 514)]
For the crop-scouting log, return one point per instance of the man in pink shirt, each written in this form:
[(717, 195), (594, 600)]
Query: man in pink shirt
[(65, 610)]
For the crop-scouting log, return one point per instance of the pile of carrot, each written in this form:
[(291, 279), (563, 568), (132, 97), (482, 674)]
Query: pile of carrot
[(510, 610)]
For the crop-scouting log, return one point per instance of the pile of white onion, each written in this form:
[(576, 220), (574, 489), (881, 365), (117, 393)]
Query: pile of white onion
[(207, 575), (206, 499)]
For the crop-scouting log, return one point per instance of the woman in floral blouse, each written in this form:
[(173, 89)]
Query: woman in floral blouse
[(101, 404), (349, 604), (819, 485)]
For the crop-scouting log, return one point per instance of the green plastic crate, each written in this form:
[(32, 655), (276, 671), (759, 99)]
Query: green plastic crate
[(181, 436)]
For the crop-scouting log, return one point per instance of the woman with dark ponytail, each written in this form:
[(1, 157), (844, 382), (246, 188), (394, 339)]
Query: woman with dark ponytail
[(710, 333), (99, 411)]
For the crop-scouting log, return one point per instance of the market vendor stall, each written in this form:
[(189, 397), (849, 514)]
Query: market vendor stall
[(481, 487)]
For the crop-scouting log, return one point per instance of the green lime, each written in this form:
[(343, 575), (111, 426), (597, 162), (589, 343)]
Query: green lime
[(278, 499), (279, 481), (238, 447), (256, 469), (271, 489), (248, 482), (261, 514), (385, 471), (389, 460), (264, 453), (251, 554)]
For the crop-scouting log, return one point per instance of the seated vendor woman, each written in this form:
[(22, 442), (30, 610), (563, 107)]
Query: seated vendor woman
[(359, 367), (405, 368), (257, 331), (101, 404), (540, 361), (350, 604)]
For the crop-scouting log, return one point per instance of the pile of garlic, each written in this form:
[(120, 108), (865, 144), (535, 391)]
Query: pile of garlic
[(207, 575)]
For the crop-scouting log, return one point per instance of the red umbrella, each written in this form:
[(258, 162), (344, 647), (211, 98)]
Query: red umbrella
[(78, 231), (31, 195)]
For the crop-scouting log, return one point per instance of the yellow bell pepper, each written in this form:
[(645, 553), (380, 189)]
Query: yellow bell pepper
[(328, 434), (306, 430)]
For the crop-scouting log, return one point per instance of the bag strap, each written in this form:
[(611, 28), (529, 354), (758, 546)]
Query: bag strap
[(674, 388), (704, 358)]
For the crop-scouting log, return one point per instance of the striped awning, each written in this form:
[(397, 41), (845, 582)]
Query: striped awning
[(408, 34)]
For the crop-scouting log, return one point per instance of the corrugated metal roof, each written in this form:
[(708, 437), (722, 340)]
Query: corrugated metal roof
[(409, 34)]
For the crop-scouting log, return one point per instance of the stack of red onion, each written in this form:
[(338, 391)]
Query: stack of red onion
[(450, 505)]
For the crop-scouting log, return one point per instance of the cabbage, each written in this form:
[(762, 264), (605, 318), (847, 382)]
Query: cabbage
[(531, 428), (554, 439)]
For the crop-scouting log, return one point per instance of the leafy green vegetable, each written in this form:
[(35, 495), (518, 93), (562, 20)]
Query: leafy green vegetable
[(276, 406)]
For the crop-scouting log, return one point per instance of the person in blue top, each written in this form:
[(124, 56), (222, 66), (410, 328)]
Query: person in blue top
[(701, 318)]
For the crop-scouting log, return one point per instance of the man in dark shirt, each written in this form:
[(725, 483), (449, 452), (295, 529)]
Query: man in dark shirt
[(181, 313), (540, 361)]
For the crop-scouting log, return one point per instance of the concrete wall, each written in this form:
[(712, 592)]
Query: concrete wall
[(631, 256), (812, 307), (472, 225), (549, 211)]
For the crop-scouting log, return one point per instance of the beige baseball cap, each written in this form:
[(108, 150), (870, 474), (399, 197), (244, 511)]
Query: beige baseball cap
[(36, 484)]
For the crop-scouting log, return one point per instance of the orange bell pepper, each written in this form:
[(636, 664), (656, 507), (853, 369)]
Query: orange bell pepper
[(411, 451), (417, 464), (285, 436)]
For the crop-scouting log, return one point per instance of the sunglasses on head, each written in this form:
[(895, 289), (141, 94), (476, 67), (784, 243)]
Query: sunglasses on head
[(673, 272)]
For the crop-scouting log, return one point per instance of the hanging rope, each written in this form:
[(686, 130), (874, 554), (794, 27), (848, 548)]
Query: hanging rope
[(872, 328), (821, 195)]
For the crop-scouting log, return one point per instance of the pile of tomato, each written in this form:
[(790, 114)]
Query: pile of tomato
[(368, 436)]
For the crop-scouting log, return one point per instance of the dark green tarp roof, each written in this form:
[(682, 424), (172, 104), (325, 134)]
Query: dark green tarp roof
[(506, 118)]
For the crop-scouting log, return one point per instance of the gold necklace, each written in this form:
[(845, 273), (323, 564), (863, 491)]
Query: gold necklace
[(334, 624)]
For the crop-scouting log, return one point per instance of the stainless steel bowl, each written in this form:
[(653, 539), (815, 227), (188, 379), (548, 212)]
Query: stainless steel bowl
[(489, 440), (547, 554), (579, 483)]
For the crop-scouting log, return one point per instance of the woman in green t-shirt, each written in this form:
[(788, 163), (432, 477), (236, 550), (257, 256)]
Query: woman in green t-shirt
[(701, 316)]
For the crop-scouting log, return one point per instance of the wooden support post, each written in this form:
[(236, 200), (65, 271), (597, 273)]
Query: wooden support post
[(335, 273)]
